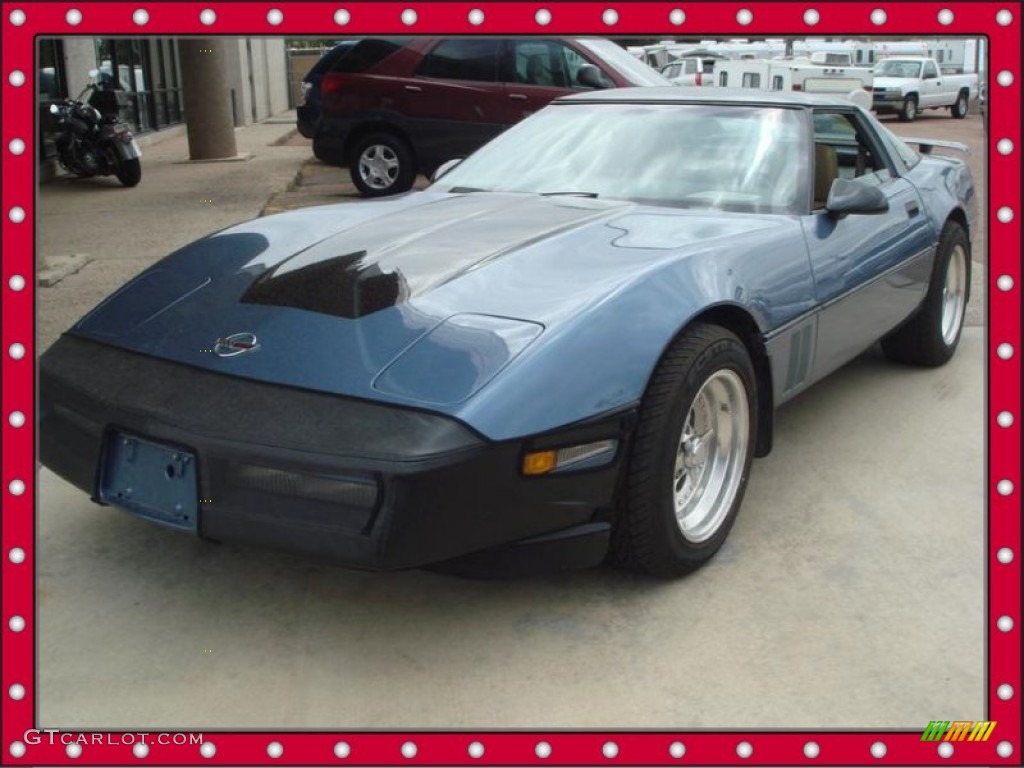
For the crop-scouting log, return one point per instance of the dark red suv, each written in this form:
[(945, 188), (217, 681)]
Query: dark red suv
[(394, 107)]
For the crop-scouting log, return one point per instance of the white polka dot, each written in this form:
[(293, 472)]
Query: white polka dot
[(17, 146), (342, 750), (16, 351), (1005, 555), (17, 624), (811, 17), (409, 750), (16, 691), (476, 750), (141, 18), (1004, 487), (16, 419), (16, 214), (140, 750), (1005, 214), (16, 78), (1004, 18), (1004, 419), (17, 283), (73, 17), (878, 750), (1004, 749), (1004, 283), (811, 749), (476, 18), (208, 16), (275, 16), (208, 749), (17, 17), (275, 749), (342, 17), (16, 555), (1005, 623), (73, 750), (17, 749), (1005, 691), (610, 17), (677, 749), (409, 17), (610, 750), (945, 17), (542, 750), (1005, 351), (878, 18), (1005, 78), (16, 487), (542, 17), (945, 749), (744, 16), (744, 749), (676, 17)]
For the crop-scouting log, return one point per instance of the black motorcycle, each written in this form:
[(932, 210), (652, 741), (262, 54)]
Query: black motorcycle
[(91, 139)]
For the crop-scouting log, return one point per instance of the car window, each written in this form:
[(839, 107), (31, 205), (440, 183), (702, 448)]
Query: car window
[(856, 157), (367, 53), (722, 157), (930, 70), (897, 147), (545, 63), (463, 58)]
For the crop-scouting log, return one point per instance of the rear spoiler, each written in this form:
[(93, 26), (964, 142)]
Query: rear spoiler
[(926, 145)]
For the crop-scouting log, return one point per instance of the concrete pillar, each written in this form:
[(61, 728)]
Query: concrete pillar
[(210, 125)]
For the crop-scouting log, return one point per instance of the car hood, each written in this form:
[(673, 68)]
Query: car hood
[(420, 299)]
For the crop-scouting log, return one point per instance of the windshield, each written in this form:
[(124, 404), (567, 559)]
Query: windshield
[(897, 68), (726, 157), (629, 67)]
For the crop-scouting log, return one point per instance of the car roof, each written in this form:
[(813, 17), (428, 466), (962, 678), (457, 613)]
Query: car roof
[(705, 95)]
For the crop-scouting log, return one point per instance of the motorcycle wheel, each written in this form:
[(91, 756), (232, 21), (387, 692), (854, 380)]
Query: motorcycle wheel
[(129, 172)]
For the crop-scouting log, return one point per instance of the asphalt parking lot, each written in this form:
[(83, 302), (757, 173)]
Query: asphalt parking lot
[(850, 593)]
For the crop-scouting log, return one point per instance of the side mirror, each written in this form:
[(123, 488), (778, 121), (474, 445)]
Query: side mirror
[(848, 196), (443, 168), (591, 77)]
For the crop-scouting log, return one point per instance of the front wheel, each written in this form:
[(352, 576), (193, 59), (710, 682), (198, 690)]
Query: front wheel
[(931, 336), (691, 454), (382, 164), (129, 172), (909, 109)]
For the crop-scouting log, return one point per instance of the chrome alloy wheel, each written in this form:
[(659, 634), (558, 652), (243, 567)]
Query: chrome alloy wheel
[(954, 294), (378, 166), (711, 455)]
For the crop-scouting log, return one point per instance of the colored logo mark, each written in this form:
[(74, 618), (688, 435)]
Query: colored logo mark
[(958, 730)]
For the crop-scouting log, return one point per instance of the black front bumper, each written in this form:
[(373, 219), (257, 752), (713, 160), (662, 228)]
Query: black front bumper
[(442, 491)]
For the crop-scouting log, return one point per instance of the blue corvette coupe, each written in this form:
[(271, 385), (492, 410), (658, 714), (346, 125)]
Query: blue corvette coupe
[(570, 347)]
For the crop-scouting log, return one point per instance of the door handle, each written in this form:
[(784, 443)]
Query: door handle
[(518, 96), (414, 88), (912, 210)]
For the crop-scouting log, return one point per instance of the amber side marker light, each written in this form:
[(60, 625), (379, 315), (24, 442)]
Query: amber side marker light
[(578, 456)]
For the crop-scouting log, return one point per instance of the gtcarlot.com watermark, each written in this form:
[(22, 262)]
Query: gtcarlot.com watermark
[(110, 739)]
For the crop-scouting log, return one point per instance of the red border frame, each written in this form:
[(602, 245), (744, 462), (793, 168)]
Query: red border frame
[(518, 748)]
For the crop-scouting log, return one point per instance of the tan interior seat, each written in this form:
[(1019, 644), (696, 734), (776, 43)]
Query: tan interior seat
[(826, 170)]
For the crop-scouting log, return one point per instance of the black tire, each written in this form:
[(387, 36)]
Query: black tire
[(646, 535), (921, 341), (129, 172), (909, 109), (959, 108), (388, 148)]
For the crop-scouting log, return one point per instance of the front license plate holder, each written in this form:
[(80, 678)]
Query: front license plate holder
[(152, 480)]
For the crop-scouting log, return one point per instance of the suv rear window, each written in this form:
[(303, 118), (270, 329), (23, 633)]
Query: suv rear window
[(463, 59), (367, 53)]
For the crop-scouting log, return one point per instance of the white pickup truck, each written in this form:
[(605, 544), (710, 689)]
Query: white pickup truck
[(907, 84)]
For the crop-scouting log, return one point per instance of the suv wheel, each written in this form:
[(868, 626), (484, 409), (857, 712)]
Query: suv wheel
[(382, 164)]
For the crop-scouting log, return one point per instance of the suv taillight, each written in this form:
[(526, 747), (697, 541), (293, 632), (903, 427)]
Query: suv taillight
[(330, 84)]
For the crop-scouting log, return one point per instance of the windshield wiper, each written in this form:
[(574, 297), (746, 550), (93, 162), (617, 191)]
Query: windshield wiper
[(570, 194), (465, 190)]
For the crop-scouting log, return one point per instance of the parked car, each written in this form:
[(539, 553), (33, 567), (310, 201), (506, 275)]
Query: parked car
[(571, 345), (908, 84), (308, 112), (692, 70), (395, 107)]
